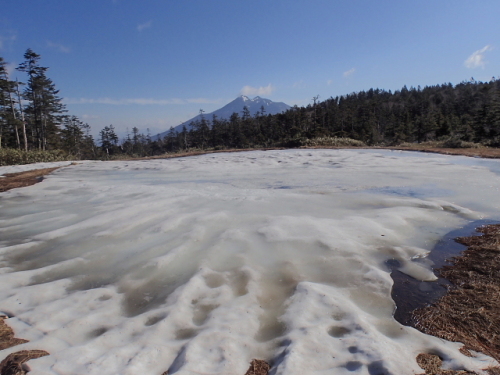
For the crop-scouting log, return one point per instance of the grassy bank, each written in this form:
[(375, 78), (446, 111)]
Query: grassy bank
[(470, 312)]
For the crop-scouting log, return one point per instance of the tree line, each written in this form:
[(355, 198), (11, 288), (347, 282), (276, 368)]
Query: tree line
[(468, 112), (33, 117)]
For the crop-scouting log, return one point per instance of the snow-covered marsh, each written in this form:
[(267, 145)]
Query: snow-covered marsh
[(197, 265)]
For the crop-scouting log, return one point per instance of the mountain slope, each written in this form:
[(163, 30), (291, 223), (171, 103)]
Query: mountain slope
[(254, 105)]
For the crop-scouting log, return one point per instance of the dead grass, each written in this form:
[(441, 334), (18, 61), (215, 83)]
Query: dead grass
[(484, 152), (7, 338), (431, 364), (22, 179), (470, 311), (15, 363), (258, 367)]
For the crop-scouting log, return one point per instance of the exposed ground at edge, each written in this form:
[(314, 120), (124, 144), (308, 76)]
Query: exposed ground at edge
[(470, 311), (22, 179)]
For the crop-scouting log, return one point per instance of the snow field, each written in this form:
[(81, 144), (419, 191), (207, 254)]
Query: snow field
[(197, 265)]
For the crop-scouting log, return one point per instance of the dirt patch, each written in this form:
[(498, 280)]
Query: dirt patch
[(470, 311), (22, 179)]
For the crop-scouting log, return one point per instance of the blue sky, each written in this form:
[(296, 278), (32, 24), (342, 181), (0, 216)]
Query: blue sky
[(154, 64)]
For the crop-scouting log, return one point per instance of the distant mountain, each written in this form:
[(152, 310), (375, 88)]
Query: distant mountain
[(254, 105)]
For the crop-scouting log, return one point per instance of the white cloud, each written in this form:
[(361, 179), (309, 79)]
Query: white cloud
[(145, 25), (349, 72), (329, 82), (58, 46), (249, 90), (476, 60), (139, 101), (10, 68)]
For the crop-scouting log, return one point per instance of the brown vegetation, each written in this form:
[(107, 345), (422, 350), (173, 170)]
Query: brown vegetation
[(7, 338), (470, 311), (482, 152), (431, 364), (258, 367), (22, 179), (14, 364)]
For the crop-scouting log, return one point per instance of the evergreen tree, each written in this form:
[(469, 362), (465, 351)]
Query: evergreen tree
[(109, 139), (44, 109), (76, 138), (10, 118)]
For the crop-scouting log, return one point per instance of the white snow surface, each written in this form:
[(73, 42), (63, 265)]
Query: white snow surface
[(198, 265), (29, 167)]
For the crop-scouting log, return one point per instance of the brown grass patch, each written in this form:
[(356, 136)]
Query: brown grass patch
[(484, 152), (14, 364), (258, 367), (431, 364), (7, 338), (22, 179), (470, 311)]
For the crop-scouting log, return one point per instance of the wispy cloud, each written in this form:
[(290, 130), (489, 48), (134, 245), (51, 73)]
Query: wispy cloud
[(476, 60), (4, 40), (58, 46), (329, 82), (90, 117), (348, 73), (204, 101), (140, 101), (299, 84), (10, 68), (145, 25), (249, 90)]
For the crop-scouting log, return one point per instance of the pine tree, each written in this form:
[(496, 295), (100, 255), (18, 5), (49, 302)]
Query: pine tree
[(44, 107), (109, 139), (10, 122), (76, 138)]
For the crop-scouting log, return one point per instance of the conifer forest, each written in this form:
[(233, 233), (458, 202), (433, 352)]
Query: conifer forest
[(33, 118)]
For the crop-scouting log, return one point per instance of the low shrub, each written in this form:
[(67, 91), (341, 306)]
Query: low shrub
[(10, 156), (456, 142), (333, 142)]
